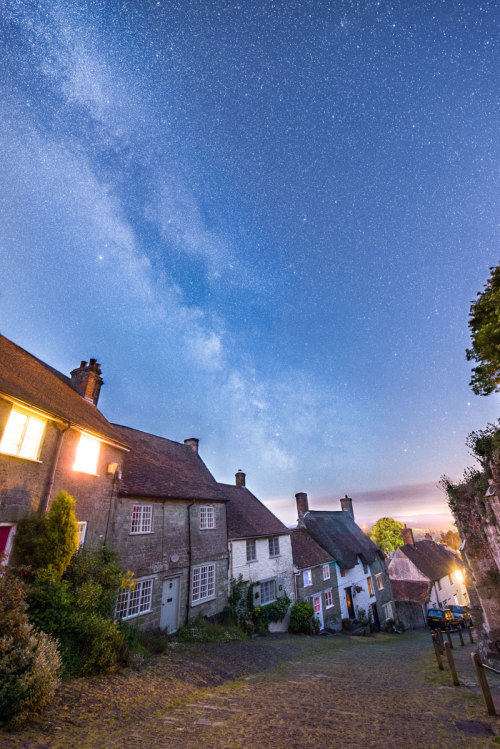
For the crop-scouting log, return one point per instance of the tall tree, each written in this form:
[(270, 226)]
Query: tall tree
[(386, 533), (484, 324), (451, 539)]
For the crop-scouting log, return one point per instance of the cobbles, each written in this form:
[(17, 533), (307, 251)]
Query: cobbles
[(283, 691)]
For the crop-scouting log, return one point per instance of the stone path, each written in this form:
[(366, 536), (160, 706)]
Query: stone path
[(283, 691)]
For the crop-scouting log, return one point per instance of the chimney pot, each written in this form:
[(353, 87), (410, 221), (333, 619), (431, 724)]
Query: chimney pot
[(86, 379), (407, 534), (193, 443), (346, 505), (240, 477), (302, 503)]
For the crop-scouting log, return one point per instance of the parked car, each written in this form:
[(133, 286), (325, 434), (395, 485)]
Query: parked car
[(441, 619), (463, 615)]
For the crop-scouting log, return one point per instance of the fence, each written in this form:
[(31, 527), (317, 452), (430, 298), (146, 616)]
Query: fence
[(441, 647)]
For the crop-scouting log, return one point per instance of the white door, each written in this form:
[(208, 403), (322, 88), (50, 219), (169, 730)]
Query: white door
[(318, 610), (170, 604)]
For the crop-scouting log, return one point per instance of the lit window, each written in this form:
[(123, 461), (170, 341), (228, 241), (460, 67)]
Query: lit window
[(307, 577), (7, 532), (267, 592), (388, 612), (80, 535), (203, 583), (328, 599), (370, 586), (274, 546), (379, 582), (326, 572), (251, 551), (142, 519), (207, 518), (135, 599), (22, 435), (87, 454)]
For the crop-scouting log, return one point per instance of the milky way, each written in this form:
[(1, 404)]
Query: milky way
[(267, 220)]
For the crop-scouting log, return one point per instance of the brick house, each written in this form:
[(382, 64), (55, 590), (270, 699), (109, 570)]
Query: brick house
[(363, 580), (53, 437), (259, 547), (316, 578), (427, 574), (169, 527)]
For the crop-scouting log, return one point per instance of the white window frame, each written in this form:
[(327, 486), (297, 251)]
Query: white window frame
[(10, 542), (82, 462), (202, 583), (329, 595), (141, 520), (388, 610), (22, 434), (135, 600), (81, 533), (274, 546), (379, 581), (262, 589), (326, 572), (251, 550), (307, 578), (207, 518)]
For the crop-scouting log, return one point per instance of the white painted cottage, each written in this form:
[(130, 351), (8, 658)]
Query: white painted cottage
[(260, 549)]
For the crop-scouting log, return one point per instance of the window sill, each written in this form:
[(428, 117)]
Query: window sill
[(274, 556), (21, 457), (202, 600), (251, 561), (133, 616), (330, 607), (140, 533), (208, 529), (86, 473), (267, 602)]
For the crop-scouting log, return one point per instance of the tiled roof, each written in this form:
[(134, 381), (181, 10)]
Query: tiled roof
[(432, 559), (247, 517), (306, 552), (416, 591), (30, 381), (339, 535), (158, 467)]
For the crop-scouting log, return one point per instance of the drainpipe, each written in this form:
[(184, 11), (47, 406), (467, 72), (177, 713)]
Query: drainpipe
[(189, 565), (115, 479), (45, 499)]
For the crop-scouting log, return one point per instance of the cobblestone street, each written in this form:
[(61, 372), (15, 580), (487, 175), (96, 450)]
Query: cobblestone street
[(282, 691)]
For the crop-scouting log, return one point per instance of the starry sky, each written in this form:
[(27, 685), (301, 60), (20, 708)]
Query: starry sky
[(267, 221)]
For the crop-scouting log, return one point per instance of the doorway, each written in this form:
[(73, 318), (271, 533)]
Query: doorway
[(376, 620), (318, 611), (350, 604), (170, 604)]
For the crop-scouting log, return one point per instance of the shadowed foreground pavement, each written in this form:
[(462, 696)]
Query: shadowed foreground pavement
[(282, 691)]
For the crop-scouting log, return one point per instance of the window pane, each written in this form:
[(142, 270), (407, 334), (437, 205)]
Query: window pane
[(32, 438), (13, 433), (87, 454)]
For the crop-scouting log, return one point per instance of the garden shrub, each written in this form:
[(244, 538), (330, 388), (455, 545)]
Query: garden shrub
[(270, 612), (201, 630), (302, 619), (29, 660)]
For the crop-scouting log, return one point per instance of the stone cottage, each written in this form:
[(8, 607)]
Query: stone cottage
[(363, 580), (316, 581), (169, 527), (53, 437), (259, 547), (427, 575)]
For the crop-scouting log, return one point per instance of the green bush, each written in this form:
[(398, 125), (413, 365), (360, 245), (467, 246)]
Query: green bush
[(201, 630), (29, 660), (302, 619), (270, 612)]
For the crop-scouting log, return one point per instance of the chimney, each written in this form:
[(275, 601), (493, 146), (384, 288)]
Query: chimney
[(193, 443), (346, 505), (302, 504), (240, 477), (407, 534), (428, 536), (87, 380)]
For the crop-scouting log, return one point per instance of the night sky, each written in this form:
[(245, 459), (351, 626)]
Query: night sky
[(267, 221)]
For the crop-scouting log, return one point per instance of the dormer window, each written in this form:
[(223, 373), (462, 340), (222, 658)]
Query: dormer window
[(23, 434), (87, 454)]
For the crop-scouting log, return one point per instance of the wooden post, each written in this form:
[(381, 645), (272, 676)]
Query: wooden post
[(450, 642), (440, 639), (470, 635), (437, 650), (483, 684), (451, 664), (461, 636)]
